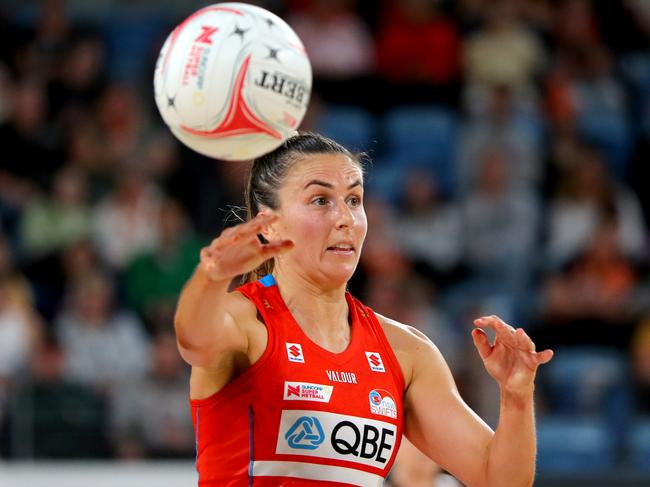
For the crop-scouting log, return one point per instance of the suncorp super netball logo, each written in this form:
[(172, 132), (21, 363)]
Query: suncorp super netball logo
[(306, 391)]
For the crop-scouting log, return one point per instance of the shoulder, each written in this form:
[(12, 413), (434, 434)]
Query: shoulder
[(240, 308), (423, 366), (409, 344)]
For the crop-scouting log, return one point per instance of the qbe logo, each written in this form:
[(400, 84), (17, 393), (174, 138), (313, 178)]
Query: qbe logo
[(305, 434), (336, 436)]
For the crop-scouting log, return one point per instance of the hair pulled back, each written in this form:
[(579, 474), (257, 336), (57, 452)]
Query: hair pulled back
[(269, 171)]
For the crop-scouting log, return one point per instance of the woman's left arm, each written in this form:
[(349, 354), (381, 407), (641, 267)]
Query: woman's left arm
[(512, 361), (442, 426)]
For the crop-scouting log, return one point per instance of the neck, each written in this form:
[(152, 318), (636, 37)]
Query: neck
[(321, 313)]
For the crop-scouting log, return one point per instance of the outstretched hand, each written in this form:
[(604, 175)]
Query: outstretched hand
[(512, 359), (238, 249)]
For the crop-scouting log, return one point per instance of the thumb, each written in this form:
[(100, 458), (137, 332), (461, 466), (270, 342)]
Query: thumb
[(481, 343)]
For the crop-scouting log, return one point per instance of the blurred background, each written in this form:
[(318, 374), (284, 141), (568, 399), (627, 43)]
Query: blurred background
[(510, 175)]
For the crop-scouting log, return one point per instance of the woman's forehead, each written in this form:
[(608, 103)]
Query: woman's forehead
[(330, 168)]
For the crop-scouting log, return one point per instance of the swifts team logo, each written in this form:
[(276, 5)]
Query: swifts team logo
[(375, 362), (382, 403), (294, 352)]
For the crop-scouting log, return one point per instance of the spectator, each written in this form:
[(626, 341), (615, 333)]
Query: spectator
[(149, 418), (154, 279), (52, 223), (510, 120), (51, 416), (125, 222), (104, 347), (505, 52), (593, 292), (640, 358), (337, 41), (584, 195), (418, 48), (430, 229), (497, 211), (30, 151)]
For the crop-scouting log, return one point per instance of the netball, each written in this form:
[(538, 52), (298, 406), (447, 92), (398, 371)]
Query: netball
[(232, 81)]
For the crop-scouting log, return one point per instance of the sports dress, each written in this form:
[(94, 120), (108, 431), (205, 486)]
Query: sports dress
[(302, 415)]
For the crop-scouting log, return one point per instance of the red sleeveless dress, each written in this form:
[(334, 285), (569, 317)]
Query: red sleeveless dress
[(302, 415)]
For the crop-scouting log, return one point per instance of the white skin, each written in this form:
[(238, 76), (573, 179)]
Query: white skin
[(219, 334)]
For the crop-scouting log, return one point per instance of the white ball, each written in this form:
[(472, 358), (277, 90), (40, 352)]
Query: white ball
[(232, 81)]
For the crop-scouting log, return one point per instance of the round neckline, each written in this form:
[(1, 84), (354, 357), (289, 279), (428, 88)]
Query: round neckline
[(339, 357)]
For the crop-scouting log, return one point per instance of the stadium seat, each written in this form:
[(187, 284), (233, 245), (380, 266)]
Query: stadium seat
[(351, 126), (610, 132), (590, 382), (423, 137), (570, 445), (639, 444)]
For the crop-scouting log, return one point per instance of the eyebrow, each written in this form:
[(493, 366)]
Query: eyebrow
[(325, 184)]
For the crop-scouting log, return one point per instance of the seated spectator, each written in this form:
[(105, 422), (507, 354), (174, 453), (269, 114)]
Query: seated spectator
[(52, 223), (30, 152), (125, 221), (590, 300), (337, 41), (418, 47), (495, 210), (103, 346), (16, 284), (51, 416), (510, 120), (154, 279), (429, 228), (640, 358), (586, 194), (584, 94), (78, 80), (505, 51), (148, 416)]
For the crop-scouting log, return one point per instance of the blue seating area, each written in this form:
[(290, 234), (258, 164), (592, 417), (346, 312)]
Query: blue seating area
[(569, 445)]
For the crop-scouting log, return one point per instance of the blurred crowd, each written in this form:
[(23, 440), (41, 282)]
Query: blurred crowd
[(510, 152)]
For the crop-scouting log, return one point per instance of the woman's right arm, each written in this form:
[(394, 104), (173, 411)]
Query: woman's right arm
[(208, 318)]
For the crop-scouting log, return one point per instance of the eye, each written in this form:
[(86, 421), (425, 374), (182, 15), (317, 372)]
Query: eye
[(319, 201), (354, 201)]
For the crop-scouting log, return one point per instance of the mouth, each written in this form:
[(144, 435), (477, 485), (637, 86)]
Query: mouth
[(341, 249)]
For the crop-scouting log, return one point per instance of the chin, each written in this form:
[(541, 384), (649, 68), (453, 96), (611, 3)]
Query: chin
[(340, 276)]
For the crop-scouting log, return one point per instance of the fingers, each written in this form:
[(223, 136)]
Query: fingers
[(509, 336), (257, 224), (544, 357), (482, 343), (274, 248)]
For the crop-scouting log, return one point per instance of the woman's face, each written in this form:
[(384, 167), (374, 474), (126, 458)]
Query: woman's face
[(321, 211)]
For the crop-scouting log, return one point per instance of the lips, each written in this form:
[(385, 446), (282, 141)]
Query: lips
[(341, 247)]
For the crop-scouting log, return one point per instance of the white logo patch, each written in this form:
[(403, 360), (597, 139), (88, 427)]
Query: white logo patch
[(382, 403), (375, 362), (294, 352), (305, 391), (337, 437)]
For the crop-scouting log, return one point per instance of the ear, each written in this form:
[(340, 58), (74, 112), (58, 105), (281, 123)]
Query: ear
[(270, 232)]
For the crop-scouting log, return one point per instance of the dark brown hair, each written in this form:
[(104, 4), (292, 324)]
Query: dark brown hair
[(269, 171)]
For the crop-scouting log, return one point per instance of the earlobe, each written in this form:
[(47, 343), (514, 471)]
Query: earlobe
[(269, 233)]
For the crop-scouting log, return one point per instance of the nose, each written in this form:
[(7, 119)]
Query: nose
[(344, 216)]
